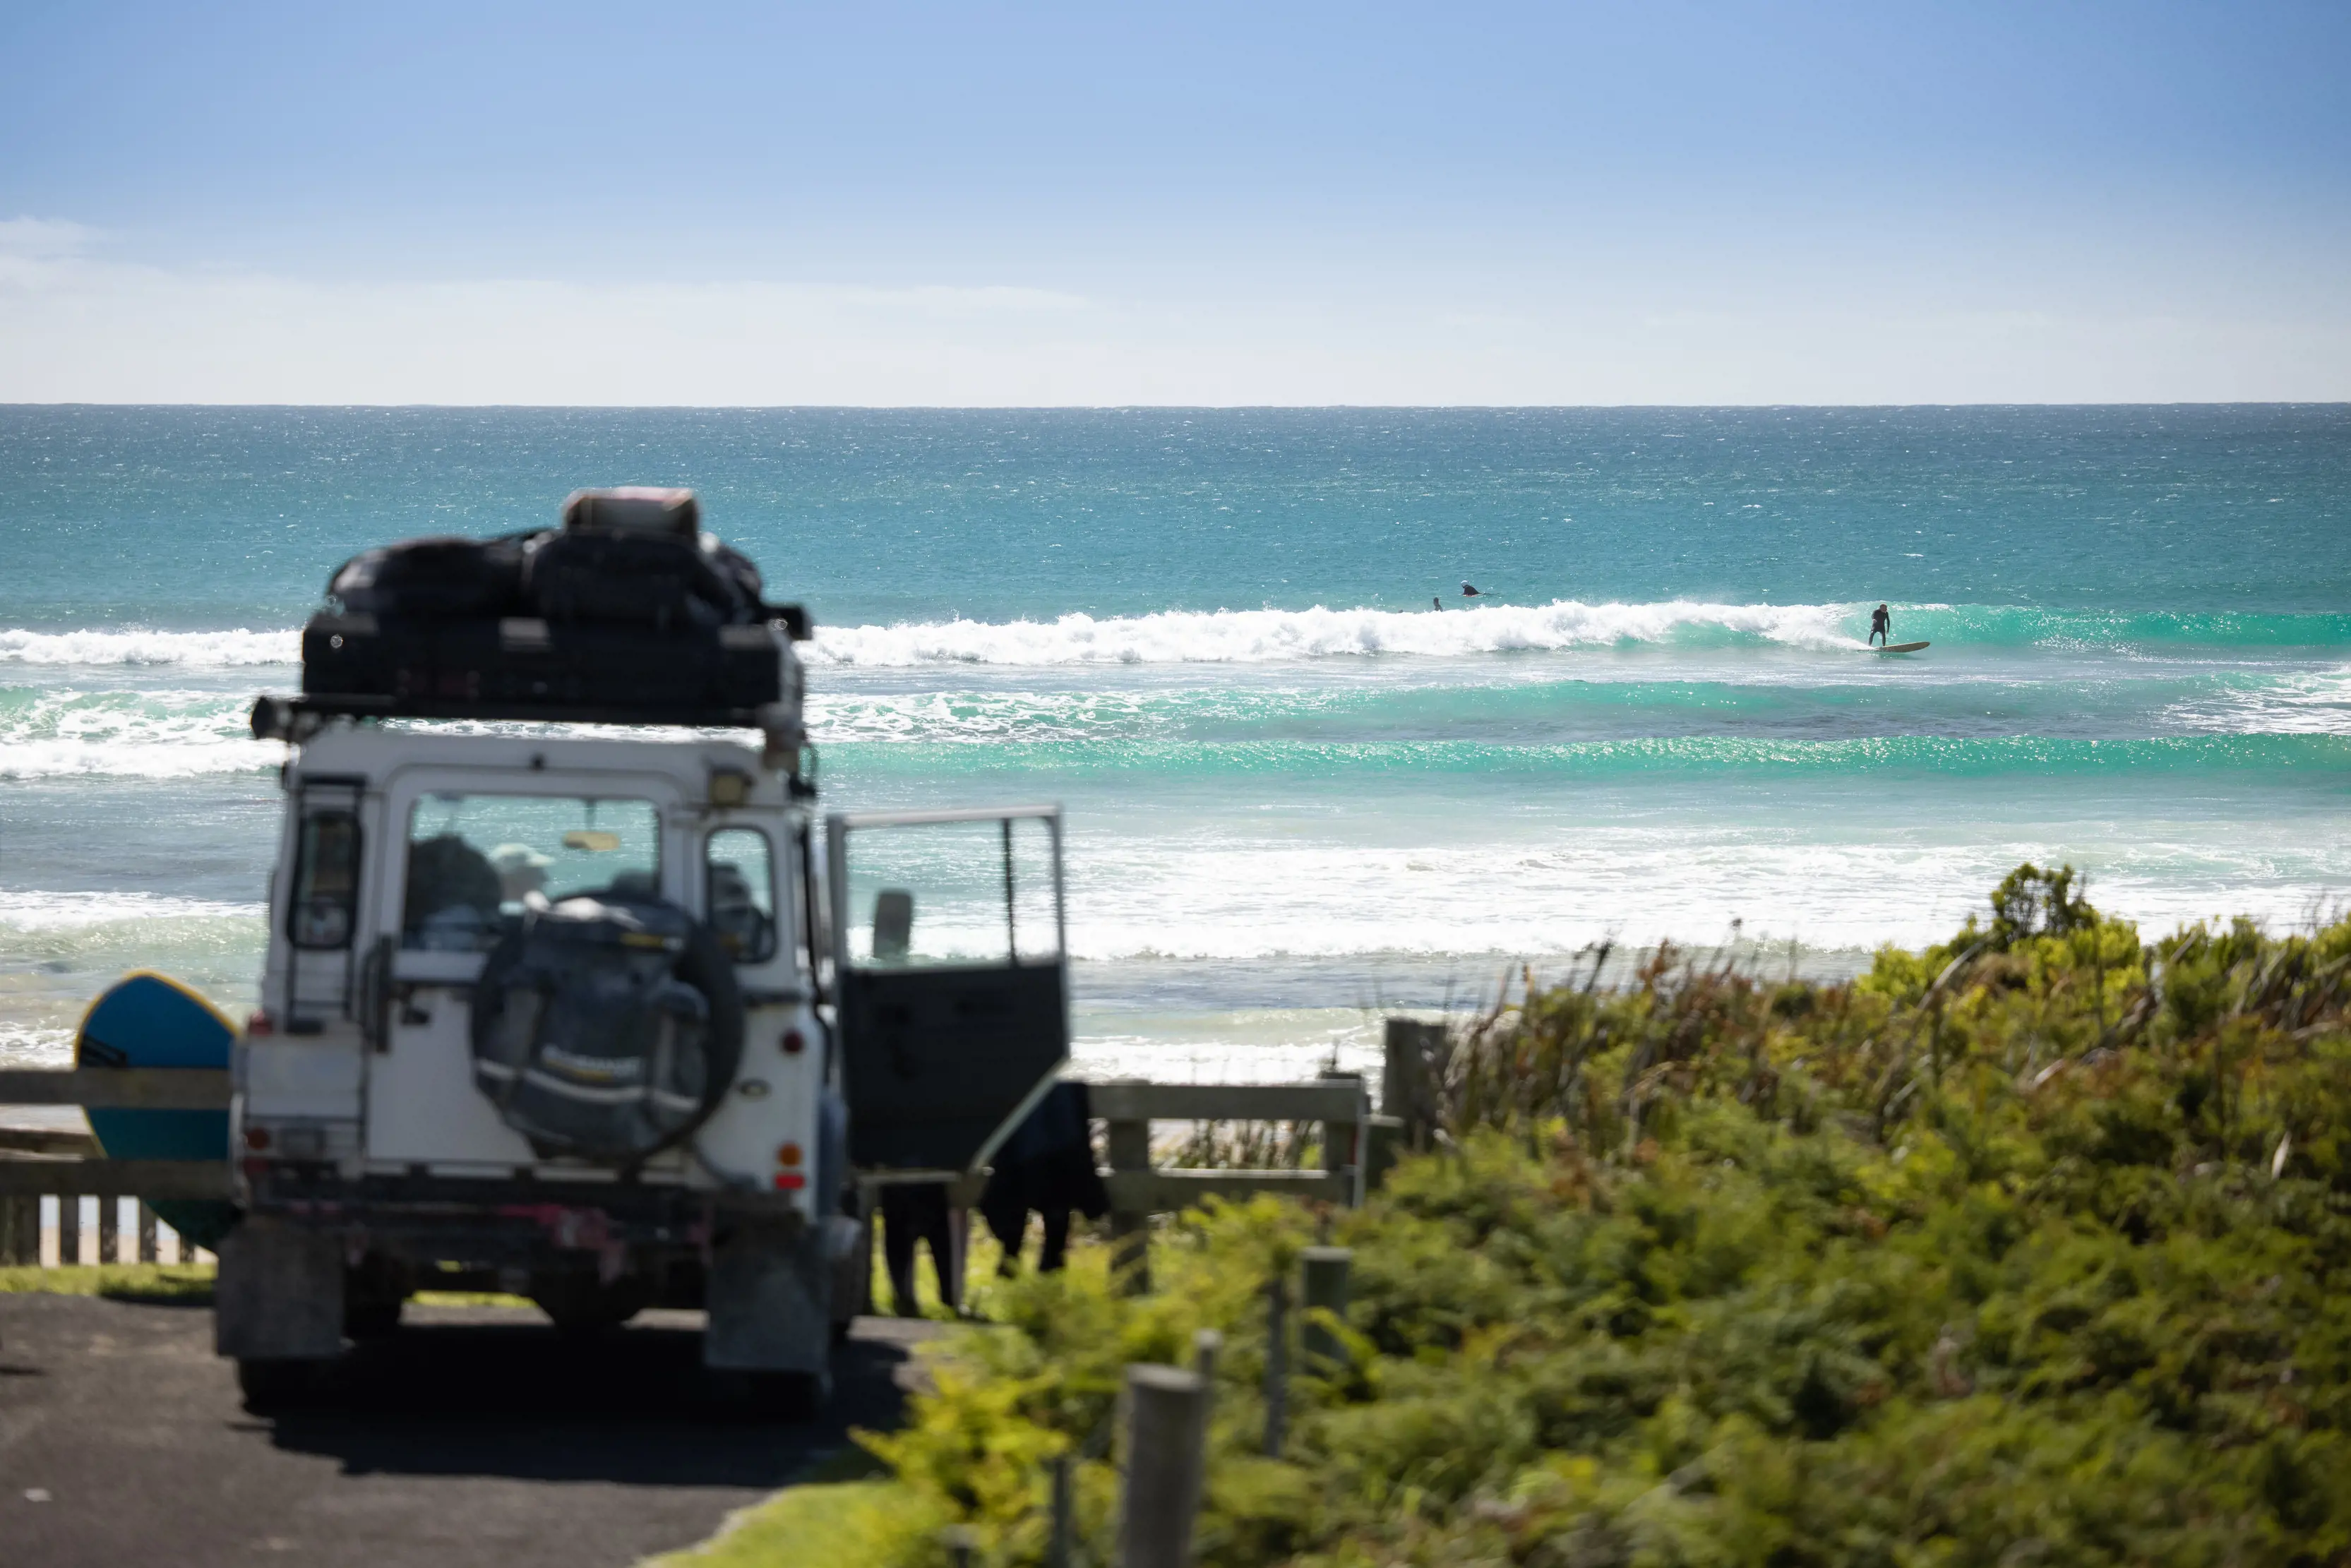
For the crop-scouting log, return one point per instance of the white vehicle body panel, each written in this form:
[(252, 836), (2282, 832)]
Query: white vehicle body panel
[(408, 1101)]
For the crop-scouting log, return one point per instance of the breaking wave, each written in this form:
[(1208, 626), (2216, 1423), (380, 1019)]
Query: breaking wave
[(29, 911), (1259, 636), (56, 734), (238, 649)]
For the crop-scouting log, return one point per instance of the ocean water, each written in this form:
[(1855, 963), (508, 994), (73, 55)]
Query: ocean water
[(1299, 791)]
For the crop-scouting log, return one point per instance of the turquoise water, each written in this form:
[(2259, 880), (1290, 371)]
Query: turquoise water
[(1297, 790)]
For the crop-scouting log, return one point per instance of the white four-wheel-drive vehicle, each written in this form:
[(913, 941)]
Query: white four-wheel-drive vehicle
[(569, 993)]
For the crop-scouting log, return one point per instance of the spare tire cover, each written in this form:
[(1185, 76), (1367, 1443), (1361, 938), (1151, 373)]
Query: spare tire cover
[(606, 1028)]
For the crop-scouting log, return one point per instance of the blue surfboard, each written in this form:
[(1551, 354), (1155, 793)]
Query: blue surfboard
[(146, 1019)]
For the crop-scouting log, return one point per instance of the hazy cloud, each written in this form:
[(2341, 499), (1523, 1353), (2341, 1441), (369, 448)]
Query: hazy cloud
[(76, 325), (44, 238)]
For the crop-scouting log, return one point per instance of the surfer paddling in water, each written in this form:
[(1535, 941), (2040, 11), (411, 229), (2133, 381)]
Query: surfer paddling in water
[(1881, 626)]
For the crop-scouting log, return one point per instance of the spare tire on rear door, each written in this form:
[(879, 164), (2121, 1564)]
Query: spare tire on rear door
[(606, 1028)]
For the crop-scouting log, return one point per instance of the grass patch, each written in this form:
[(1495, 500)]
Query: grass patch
[(837, 1524), (470, 1299), (185, 1282)]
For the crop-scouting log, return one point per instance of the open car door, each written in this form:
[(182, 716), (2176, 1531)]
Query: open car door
[(951, 980)]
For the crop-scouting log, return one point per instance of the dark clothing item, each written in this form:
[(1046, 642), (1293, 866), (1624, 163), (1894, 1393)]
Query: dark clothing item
[(1880, 625), (911, 1212), (1046, 1167)]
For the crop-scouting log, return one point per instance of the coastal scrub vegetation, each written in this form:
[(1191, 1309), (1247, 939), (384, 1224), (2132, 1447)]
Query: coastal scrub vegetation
[(2035, 1246)]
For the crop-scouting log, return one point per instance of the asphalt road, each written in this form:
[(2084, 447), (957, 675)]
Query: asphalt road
[(473, 1436)]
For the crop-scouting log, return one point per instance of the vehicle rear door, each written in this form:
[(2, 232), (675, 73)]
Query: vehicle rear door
[(951, 978)]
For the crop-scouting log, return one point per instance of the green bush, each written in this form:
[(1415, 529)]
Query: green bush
[(2033, 1247)]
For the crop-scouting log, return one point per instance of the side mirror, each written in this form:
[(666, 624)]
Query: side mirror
[(894, 924)]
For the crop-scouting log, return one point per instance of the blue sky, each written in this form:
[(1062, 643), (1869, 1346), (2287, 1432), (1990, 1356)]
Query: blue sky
[(1205, 204)]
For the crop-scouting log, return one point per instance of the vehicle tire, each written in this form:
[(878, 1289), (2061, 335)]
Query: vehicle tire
[(276, 1384)]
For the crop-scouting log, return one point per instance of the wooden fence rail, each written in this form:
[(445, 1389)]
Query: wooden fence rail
[(46, 1166), (119, 1088), (1138, 1189)]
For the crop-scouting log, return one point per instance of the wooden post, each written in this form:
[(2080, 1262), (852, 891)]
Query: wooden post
[(20, 1230), (1277, 1363), (1057, 1544), (69, 1232), (1206, 1346), (1415, 1057), (147, 1253), (1130, 1229), (109, 1231), (1167, 1460), (1342, 1152), (1383, 1140), (1326, 1288)]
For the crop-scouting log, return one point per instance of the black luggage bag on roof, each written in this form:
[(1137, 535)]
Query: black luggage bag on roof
[(630, 609), (638, 554), (514, 668), (434, 578)]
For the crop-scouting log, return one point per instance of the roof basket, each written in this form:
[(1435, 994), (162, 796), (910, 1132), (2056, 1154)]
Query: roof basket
[(634, 509)]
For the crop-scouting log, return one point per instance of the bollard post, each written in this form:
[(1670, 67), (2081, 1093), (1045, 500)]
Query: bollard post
[(1057, 1544), (1167, 1436), (1277, 1363), (1342, 1152), (1326, 1287), (1384, 1142), (1206, 1346), (1130, 1229), (1413, 1061)]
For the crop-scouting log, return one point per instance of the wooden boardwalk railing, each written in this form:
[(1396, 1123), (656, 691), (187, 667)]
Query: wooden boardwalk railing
[(45, 1170), (1138, 1189)]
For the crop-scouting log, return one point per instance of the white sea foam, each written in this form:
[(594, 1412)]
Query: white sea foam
[(206, 650), (1259, 636), (2311, 702), (130, 735), (35, 910), (32, 1046)]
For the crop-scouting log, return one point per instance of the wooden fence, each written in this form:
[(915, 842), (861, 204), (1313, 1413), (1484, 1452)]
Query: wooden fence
[(1140, 1189), (61, 1173), (51, 1179)]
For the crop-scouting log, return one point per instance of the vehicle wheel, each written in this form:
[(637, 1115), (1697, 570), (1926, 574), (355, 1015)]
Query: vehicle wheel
[(275, 1385)]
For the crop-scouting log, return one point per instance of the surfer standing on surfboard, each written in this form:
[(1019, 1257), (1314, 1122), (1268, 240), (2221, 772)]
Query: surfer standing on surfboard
[(1881, 626)]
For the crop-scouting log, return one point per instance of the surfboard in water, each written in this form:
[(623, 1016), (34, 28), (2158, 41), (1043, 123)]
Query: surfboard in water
[(146, 1019), (1900, 648)]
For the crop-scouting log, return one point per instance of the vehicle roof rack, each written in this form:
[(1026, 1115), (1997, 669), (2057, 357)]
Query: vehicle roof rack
[(296, 719)]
